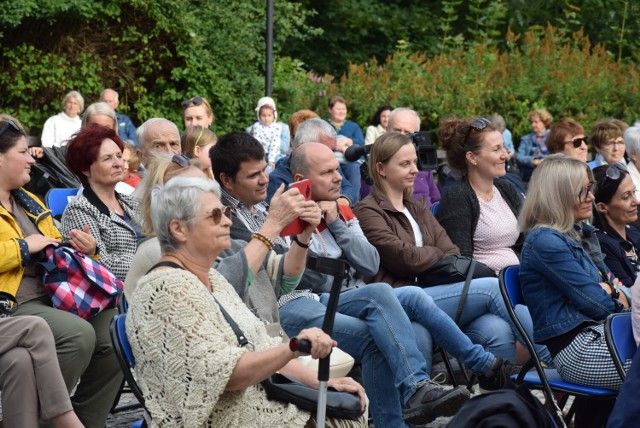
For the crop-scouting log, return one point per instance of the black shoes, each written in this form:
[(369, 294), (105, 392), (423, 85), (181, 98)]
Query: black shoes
[(498, 376), (431, 401)]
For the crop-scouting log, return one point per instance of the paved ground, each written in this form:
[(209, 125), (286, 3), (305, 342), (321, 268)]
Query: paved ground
[(124, 419)]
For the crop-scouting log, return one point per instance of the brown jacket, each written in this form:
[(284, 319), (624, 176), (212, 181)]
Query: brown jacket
[(390, 232)]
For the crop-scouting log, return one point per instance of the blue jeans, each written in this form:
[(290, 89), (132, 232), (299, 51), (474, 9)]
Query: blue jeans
[(373, 325), (484, 316), (383, 343)]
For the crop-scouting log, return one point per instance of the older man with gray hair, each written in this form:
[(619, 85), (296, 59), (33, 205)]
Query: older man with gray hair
[(157, 135), (126, 128), (311, 131), (407, 121)]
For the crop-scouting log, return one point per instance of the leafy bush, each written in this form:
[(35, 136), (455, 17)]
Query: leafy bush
[(570, 79)]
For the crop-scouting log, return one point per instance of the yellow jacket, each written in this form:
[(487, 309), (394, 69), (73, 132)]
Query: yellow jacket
[(14, 251)]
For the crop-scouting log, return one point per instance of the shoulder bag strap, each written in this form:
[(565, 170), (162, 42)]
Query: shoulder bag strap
[(465, 290)]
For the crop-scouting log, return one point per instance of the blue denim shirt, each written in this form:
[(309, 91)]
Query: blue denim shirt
[(560, 284)]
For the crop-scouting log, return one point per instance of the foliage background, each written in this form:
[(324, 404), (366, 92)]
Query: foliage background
[(476, 57)]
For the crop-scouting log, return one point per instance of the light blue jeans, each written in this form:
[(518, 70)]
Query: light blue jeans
[(374, 325), (485, 318)]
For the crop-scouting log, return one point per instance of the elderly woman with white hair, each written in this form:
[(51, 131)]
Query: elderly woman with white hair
[(58, 129), (178, 323)]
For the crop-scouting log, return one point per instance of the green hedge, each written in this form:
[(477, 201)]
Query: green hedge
[(570, 79)]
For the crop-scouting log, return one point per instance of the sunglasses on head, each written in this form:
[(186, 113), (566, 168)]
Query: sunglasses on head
[(10, 125), (577, 142), (614, 173), (181, 160), (216, 214), (195, 101), (477, 125)]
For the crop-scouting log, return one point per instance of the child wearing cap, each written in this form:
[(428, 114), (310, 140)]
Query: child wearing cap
[(274, 136)]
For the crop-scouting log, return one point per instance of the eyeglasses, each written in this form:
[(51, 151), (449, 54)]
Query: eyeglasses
[(613, 143), (577, 142), (216, 214), (477, 125), (195, 101), (10, 125), (584, 192), (181, 160)]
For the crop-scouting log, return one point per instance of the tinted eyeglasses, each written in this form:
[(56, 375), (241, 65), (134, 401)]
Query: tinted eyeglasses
[(584, 192), (477, 125), (577, 142), (181, 160), (614, 172), (195, 101), (10, 125), (216, 214)]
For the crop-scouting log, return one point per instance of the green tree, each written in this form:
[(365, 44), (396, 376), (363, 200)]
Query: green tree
[(155, 53)]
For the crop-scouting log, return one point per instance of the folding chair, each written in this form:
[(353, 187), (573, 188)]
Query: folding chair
[(125, 358), (57, 200), (619, 335), (547, 380)]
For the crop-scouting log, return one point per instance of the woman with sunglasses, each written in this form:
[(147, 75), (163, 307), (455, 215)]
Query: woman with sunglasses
[(83, 347), (480, 212), (95, 156), (196, 141), (197, 111), (616, 207), (567, 137), (567, 294), (608, 141), (179, 322)]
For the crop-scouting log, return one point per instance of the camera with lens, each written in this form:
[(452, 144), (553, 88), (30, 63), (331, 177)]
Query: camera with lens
[(425, 150)]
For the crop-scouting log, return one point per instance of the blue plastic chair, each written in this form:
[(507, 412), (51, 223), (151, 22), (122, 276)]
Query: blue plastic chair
[(124, 355), (547, 380), (619, 335), (57, 200), (434, 207)]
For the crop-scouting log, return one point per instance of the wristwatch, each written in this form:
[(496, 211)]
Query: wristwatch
[(295, 239)]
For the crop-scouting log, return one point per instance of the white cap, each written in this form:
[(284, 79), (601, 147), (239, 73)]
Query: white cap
[(269, 102)]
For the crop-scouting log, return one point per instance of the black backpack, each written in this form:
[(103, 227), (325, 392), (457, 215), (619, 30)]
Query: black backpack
[(512, 406)]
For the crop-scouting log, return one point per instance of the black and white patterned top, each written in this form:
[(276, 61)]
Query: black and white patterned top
[(116, 238)]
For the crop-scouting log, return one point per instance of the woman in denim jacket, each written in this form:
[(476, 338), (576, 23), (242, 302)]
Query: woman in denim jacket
[(566, 294)]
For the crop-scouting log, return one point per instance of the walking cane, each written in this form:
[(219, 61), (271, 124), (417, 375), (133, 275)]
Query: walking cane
[(338, 269)]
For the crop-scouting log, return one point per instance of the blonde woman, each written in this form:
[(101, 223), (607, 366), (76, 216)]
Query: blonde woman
[(568, 296)]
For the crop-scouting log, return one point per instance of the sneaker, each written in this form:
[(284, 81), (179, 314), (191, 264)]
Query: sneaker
[(431, 401), (498, 376)]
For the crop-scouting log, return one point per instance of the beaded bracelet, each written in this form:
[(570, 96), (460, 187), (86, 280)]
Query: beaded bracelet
[(266, 241)]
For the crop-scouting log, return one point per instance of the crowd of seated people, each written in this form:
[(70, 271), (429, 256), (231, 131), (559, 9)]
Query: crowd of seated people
[(178, 234)]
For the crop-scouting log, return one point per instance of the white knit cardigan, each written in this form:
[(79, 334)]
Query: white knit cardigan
[(185, 352)]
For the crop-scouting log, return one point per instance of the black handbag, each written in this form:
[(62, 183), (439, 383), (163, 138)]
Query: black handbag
[(341, 405), (453, 268)]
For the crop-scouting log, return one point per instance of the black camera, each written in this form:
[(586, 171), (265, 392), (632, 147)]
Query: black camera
[(425, 150)]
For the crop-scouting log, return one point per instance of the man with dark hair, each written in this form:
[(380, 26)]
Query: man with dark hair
[(239, 165)]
